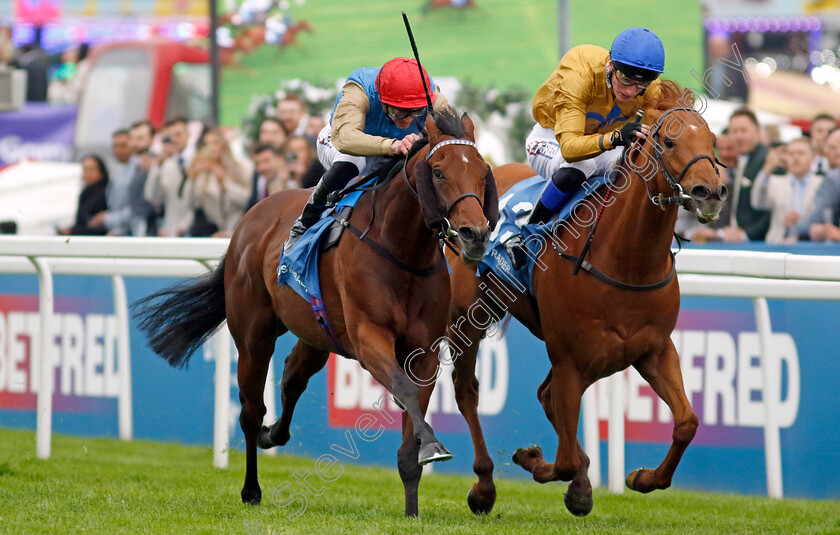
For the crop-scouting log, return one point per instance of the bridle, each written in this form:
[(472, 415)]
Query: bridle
[(446, 231), (679, 196)]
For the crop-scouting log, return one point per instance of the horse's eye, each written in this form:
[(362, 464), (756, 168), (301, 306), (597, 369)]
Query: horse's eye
[(438, 173), (668, 143)]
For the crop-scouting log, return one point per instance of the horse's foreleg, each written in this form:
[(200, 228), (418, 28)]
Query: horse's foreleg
[(662, 372), (302, 363), (376, 353), (482, 495), (407, 456)]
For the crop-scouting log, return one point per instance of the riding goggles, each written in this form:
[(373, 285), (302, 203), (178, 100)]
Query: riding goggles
[(402, 113), (627, 81)]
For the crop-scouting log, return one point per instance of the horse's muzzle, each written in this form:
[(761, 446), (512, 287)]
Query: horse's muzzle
[(473, 243), (708, 201)]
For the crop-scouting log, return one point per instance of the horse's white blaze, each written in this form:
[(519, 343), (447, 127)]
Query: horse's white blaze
[(464, 158)]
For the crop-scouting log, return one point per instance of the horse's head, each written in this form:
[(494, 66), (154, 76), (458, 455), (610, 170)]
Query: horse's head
[(456, 187), (683, 149)]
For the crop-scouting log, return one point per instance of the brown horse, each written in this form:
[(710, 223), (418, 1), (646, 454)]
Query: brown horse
[(385, 295), (621, 313)]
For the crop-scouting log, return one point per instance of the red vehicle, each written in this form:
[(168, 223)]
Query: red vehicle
[(129, 81)]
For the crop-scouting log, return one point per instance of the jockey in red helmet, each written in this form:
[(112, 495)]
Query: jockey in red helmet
[(379, 112), (586, 108)]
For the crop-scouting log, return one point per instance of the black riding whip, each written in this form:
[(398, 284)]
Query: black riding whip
[(417, 57)]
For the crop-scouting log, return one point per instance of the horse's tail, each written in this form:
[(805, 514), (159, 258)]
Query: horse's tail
[(179, 319)]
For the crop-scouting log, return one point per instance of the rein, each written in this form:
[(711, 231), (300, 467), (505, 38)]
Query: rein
[(446, 232), (659, 200)]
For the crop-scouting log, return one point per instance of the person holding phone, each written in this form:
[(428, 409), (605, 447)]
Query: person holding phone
[(167, 186)]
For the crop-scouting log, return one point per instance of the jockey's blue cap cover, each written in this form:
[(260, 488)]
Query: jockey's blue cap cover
[(639, 48)]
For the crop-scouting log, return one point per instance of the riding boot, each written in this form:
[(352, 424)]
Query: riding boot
[(334, 179), (562, 186)]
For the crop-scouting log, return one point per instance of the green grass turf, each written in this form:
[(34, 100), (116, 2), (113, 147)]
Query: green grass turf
[(499, 43), (107, 486)]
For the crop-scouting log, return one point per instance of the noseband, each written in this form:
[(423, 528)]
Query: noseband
[(679, 197)]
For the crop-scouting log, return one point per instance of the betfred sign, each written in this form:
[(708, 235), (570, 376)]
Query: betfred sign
[(84, 357), (351, 391)]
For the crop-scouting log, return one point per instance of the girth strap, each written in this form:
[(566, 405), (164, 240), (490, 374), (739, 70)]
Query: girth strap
[(603, 277)]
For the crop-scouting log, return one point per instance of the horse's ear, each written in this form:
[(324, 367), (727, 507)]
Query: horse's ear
[(469, 127), (431, 127), (433, 211), (491, 199)]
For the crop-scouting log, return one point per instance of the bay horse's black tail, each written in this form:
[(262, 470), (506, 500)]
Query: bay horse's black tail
[(179, 319)]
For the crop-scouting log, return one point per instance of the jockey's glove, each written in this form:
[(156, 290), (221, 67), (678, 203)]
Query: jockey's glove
[(625, 135)]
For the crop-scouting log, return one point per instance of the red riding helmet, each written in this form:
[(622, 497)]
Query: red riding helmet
[(399, 84)]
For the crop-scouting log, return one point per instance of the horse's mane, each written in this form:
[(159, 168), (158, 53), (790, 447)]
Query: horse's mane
[(670, 96)]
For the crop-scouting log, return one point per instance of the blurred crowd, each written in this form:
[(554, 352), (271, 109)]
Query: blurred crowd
[(778, 192), (165, 183), (55, 78)]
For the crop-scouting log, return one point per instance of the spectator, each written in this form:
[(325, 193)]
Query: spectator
[(292, 113), (34, 61), (92, 199), (219, 186), (272, 133), (167, 187), (789, 197), (820, 127), (116, 217), (825, 217), (745, 222), (7, 46), (270, 172), (142, 214), (304, 168), (314, 126)]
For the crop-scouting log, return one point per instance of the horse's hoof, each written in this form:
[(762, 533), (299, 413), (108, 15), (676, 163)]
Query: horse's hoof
[(251, 496), (434, 451), (280, 438), (477, 506), (578, 504), (521, 453), (264, 441), (632, 480)]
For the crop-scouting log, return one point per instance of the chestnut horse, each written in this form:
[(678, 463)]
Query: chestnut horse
[(385, 294), (621, 313)]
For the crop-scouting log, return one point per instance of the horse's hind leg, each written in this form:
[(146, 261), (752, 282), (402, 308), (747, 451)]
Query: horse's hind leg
[(482, 495), (302, 363), (570, 463), (254, 334), (662, 372)]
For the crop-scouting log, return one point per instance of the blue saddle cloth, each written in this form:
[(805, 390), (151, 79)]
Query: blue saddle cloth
[(299, 268), (515, 207)]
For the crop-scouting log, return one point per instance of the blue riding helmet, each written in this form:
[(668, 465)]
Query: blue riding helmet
[(638, 53)]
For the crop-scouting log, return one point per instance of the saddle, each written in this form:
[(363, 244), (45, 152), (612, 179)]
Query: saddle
[(334, 232)]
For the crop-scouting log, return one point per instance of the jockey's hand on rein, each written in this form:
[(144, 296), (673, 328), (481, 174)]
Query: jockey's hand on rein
[(626, 134)]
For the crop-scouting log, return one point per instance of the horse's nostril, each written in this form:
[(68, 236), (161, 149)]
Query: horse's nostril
[(724, 192), (700, 193), (467, 234)]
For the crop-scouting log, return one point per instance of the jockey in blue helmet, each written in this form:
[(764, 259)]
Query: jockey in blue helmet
[(586, 108)]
